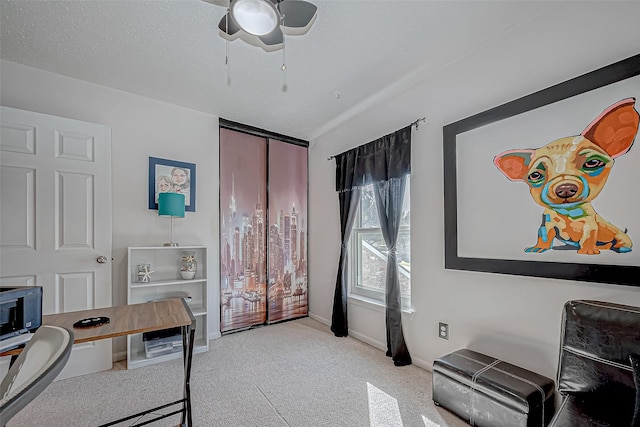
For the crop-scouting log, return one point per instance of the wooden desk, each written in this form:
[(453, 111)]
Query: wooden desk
[(134, 319), (125, 319)]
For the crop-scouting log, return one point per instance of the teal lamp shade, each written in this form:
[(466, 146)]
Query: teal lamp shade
[(171, 204)]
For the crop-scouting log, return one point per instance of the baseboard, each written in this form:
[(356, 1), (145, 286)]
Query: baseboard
[(420, 363), (118, 356), (354, 334), (122, 355), (320, 319), (374, 343), (367, 339)]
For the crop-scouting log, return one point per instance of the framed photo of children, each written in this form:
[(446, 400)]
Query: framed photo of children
[(170, 176)]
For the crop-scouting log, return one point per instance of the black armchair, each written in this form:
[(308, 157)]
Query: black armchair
[(595, 376)]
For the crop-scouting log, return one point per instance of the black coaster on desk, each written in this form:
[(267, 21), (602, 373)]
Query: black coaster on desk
[(91, 322)]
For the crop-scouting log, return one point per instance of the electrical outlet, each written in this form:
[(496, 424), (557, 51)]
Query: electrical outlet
[(443, 331)]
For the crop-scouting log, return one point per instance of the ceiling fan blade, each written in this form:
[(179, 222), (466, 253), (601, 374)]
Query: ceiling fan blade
[(223, 3), (275, 37), (297, 13), (233, 27)]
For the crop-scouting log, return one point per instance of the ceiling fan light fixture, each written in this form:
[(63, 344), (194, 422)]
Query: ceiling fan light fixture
[(257, 17)]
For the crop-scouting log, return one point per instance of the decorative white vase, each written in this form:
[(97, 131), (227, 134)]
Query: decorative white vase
[(188, 265), (187, 275)]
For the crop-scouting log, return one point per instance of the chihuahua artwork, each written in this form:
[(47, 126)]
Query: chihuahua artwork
[(567, 174)]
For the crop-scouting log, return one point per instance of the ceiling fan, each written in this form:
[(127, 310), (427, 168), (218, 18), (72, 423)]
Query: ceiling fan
[(263, 23)]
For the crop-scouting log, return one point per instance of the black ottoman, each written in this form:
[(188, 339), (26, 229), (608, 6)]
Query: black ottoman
[(488, 392)]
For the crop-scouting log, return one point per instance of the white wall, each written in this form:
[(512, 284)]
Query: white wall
[(513, 318), (140, 128)]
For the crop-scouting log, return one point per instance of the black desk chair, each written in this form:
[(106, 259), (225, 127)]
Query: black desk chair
[(40, 362)]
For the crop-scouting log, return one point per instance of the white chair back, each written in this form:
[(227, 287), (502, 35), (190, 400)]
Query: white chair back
[(36, 367)]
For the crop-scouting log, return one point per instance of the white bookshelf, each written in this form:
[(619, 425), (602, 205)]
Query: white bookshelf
[(165, 282)]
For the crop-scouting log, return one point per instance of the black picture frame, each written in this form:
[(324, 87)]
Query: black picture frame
[(166, 167), (612, 274)]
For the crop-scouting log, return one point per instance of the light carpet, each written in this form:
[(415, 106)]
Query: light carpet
[(295, 374)]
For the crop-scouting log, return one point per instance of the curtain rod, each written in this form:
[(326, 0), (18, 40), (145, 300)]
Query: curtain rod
[(415, 123)]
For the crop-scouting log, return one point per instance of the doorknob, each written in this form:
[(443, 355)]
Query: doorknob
[(102, 259)]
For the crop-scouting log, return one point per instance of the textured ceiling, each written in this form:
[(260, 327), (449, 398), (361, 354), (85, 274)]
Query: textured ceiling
[(356, 53)]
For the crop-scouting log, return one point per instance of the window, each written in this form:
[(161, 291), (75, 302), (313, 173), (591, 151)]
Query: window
[(368, 252)]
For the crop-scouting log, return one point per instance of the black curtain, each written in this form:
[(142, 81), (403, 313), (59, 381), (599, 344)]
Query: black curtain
[(389, 196), (380, 160), (349, 200), (385, 161)]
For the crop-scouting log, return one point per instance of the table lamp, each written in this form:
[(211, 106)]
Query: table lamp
[(172, 205)]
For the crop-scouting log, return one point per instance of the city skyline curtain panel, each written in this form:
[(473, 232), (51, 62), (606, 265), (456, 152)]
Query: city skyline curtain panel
[(243, 193), (287, 232), (263, 227)]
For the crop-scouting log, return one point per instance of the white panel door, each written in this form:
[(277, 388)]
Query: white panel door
[(55, 218)]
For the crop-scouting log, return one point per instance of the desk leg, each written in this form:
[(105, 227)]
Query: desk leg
[(188, 338)]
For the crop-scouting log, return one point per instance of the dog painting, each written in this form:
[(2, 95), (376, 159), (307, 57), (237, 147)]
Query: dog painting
[(567, 174)]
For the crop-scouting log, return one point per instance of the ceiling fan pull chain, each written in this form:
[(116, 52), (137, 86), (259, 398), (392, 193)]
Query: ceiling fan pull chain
[(226, 58), (284, 62)]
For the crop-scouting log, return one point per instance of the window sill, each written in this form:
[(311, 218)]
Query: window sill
[(374, 303)]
